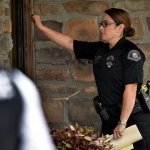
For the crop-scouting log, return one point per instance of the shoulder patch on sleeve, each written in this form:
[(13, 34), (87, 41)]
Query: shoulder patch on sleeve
[(134, 55)]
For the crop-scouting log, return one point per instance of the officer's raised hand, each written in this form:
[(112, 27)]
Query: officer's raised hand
[(57, 37), (37, 21)]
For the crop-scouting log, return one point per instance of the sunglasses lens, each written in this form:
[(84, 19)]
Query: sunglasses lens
[(103, 24)]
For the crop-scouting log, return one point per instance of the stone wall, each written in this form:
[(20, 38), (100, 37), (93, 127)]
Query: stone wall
[(5, 34), (59, 75)]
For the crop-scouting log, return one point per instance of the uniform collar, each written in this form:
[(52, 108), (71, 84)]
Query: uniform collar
[(118, 44)]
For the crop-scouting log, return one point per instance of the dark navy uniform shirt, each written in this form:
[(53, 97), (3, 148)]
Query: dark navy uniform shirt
[(113, 68)]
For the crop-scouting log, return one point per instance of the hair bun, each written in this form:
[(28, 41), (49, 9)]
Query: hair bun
[(129, 32)]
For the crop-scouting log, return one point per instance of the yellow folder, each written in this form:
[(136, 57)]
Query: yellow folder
[(130, 136)]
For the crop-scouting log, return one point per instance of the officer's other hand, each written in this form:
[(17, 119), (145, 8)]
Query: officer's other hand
[(118, 131)]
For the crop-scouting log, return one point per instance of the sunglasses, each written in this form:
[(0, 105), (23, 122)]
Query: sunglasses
[(104, 24)]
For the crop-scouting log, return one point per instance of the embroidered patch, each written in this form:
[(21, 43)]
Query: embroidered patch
[(109, 64), (110, 58), (134, 55)]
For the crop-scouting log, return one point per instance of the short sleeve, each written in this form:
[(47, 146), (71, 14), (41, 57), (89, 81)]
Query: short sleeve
[(86, 50), (133, 61)]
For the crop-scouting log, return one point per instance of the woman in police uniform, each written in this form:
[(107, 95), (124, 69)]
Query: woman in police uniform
[(118, 68)]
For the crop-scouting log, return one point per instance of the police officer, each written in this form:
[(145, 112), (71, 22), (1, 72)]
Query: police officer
[(117, 67)]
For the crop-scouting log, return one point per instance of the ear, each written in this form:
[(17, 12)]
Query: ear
[(121, 27)]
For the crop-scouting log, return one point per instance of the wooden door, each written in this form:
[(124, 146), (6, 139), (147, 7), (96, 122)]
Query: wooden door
[(23, 54)]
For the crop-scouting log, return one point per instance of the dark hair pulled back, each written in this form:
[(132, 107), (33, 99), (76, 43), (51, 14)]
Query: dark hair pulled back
[(120, 16)]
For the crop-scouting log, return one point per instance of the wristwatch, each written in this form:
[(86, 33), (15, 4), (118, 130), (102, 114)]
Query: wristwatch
[(122, 123)]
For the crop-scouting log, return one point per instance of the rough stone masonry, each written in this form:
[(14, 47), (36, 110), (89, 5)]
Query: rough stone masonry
[(58, 74)]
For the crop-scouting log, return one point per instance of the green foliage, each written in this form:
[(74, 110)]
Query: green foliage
[(79, 138)]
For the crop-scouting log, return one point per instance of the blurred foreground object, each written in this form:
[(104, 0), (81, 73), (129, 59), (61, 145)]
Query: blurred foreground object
[(22, 121)]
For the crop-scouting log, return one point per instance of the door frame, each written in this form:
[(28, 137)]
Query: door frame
[(23, 53)]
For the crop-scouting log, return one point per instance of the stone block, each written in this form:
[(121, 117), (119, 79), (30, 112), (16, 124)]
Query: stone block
[(134, 5), (5, 43), (147, 70), (54, 111), (57, 26), (51, 74), (7, 25), (90, 89), (54, 56), (37, 10), (83, 29), (1, 27), (83, 74), (136, 24), (53, 88), (148, 22), (5, 61), (1, 11), (86, 7), (7, 12), (52, 9), (82, 111), (146, 49)]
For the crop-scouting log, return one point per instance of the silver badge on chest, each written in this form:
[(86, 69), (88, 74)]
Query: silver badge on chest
[(109, 61)]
